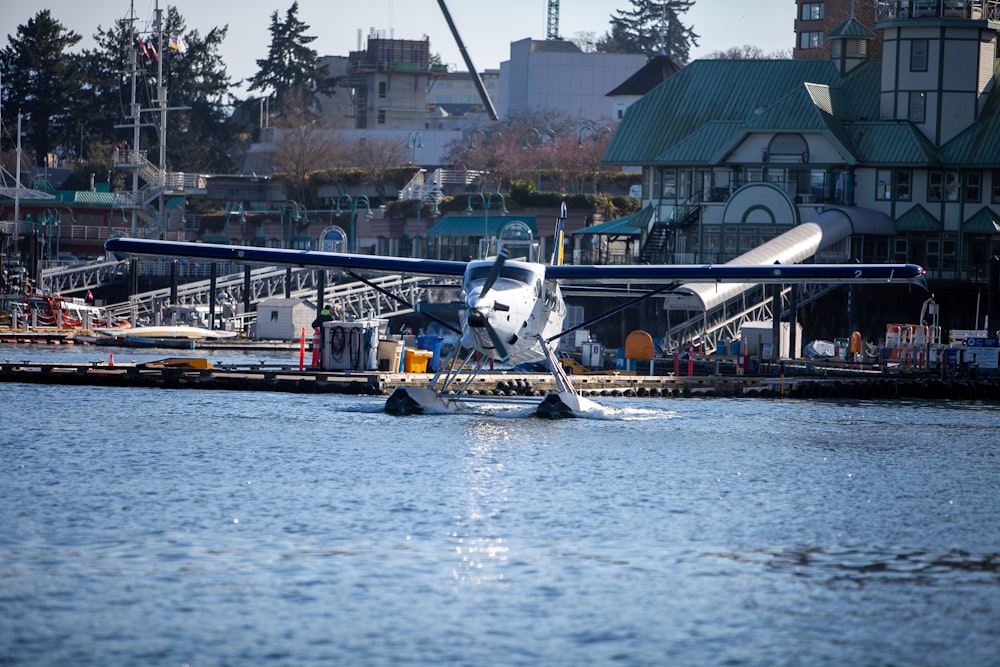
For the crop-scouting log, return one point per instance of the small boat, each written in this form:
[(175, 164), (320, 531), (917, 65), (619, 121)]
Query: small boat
[(167, 331), (177, 337)]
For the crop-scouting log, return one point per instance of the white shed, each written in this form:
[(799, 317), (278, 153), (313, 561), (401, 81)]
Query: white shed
[(283, 319)]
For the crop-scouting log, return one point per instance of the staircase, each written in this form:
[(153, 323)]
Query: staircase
[(657, 242), (424, 187), (157, 183)]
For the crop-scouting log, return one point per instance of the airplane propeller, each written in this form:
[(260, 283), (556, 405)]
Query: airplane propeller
[(494, 272)]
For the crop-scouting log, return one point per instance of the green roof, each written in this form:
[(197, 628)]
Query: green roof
[(707, 91), (705, 111), (986, 221), (918, 219), (475, 224), (892, 142), (851, 29), (629, 225)]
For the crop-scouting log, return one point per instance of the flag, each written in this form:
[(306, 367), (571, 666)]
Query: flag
[(148, 49), (177, 43), (557, 242)]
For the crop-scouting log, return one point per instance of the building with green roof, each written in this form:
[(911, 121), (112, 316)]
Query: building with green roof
[(908, 146)]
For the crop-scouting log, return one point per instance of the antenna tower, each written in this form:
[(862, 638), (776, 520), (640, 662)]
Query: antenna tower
[(552, 20)]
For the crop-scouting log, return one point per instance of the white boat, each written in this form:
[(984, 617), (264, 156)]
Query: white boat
[(167, 331)]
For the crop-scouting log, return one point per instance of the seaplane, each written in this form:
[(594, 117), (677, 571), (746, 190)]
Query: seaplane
[(512, 311)]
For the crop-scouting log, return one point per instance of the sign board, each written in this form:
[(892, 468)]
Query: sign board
[(984, 352)]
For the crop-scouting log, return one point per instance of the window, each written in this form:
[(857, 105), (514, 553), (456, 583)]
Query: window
[(883, 184), (918, 107), (973, 186), (903, 179), (918, 55), (810, 40), (812, 11), (381, 89), (942, 186), (996, 186), (381, 116)]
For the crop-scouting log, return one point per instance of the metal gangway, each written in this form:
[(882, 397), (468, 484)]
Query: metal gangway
[(719, 310), (357, 299)]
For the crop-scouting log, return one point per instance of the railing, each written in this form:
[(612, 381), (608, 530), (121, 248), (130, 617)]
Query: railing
[(890, 10)]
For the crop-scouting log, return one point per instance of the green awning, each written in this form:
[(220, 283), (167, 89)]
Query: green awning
[(984, 222), (918, 219), (629, 225), (475, 224)]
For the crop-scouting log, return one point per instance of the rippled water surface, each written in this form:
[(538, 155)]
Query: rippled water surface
[(171, 527)]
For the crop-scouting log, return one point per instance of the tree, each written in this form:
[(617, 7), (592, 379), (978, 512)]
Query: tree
[(302, 146), (291, 66), (378, 157), (40, 81), (652, 27), (748, 52), (199, 130)]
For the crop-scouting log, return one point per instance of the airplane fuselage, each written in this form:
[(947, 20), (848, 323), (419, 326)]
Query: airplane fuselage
[(521, 307)]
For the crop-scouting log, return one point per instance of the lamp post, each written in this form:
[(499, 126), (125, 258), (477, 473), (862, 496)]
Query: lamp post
[(484, 138), (414, 140), (72, 222), (236, 210), (297, 213), (485, 200), (353, 206), (595, 134), (436, 212), (538, 140)]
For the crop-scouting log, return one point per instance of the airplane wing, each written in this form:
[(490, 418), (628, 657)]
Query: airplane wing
[(659, 274), (283, 256), (621, 274)]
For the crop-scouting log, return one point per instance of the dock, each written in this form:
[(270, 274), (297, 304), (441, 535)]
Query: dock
[(195, 373)]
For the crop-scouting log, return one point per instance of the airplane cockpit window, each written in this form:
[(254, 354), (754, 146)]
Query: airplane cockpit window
[(517, 273)]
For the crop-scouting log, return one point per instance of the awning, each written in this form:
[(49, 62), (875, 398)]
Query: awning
[(629, 225), (918, 219), (478, 225), (986, 221)]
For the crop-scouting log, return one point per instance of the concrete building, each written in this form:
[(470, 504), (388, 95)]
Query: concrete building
[(556, 75)]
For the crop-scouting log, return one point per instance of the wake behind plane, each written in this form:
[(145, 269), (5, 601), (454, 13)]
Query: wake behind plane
[(513, 311)]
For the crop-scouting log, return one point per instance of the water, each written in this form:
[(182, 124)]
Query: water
[(173, 527)]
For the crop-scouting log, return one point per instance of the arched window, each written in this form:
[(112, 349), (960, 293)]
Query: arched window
[(788, 148)]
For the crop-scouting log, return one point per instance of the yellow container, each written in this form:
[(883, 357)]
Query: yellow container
[(415, 361)]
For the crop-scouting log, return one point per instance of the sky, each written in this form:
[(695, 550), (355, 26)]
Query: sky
[(486, 28)]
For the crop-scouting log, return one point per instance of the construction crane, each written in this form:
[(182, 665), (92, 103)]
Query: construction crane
[(552, 20), (477, 80)]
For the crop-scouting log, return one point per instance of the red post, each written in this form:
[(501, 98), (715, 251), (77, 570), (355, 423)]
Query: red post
[(302, 350), (316, 348), (690, 360)]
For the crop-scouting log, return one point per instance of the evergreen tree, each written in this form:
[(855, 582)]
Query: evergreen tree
[(40, 81), (292, 69), (199, 133), (652, 27)]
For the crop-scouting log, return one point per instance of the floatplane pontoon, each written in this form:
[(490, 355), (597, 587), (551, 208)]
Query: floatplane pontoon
[(512, 311)]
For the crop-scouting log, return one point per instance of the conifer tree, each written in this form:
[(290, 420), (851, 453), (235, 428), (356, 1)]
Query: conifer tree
[(40, 80), (292, 69), (652, 27)]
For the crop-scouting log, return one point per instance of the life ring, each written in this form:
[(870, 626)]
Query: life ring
[(27, 289)]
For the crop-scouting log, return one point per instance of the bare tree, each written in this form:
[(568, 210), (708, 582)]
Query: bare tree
[(378, 157), (303, 146), (748, 52)]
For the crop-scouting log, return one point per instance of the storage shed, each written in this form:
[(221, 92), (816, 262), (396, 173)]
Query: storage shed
[(283, 319)]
